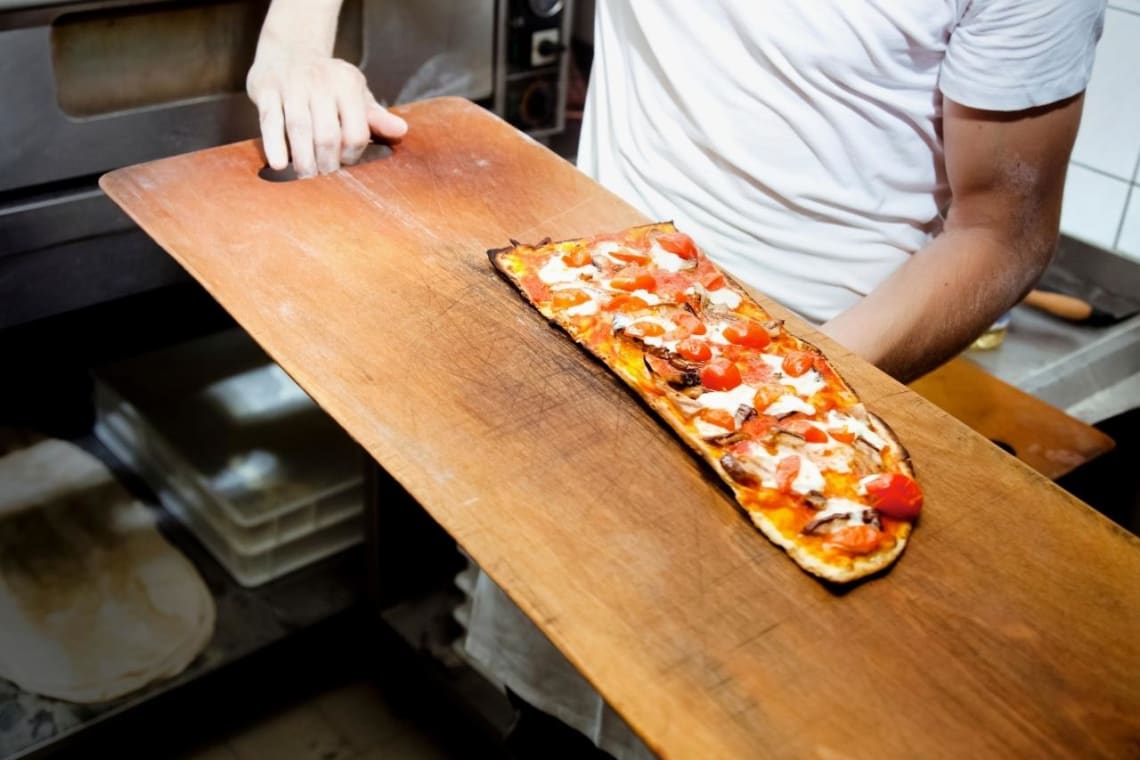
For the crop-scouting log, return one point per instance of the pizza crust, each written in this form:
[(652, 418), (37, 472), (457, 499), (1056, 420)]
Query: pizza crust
[(95, 602)]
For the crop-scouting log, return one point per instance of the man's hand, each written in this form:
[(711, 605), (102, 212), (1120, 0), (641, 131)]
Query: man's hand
[(1006, 173), (312, 107)]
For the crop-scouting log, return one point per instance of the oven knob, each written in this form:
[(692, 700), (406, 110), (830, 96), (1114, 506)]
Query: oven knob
[(538, 104), (545, 8)]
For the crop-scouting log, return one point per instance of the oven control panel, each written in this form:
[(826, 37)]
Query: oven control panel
[(531, 62)]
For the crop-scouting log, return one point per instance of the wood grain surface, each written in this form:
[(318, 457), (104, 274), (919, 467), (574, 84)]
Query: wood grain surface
[(1041, 435), (1008, 628)]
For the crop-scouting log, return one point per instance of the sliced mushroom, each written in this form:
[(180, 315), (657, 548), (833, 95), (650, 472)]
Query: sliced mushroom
[(868, 460), (813, 527), (744, 412), (815, 500), (740, 470), (678, 377)]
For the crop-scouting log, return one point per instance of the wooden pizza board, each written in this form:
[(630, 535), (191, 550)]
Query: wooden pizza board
[(1009, 627)]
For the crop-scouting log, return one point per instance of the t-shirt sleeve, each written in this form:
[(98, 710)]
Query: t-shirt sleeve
[(1008, 55)]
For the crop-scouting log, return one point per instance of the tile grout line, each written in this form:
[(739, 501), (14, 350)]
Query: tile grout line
[(1127, 202)]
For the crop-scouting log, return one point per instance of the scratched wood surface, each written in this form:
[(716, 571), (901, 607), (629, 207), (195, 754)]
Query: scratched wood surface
[(1009, 627), (1041, 435)]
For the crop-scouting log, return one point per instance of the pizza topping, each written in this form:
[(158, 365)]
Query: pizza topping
[(855, 539), (809, 432), (789, 404), (745, 332), (677, 375), (856, 427), (567, 297), (720, 374), (679, 244), (556, 270), (633, 279), (797, 363), (805, 385), (894, 494), (577, 257), (669, 261), (627, 303), (694, 349)]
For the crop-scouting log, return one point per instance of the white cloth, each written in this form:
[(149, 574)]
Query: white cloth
[(798, 142)]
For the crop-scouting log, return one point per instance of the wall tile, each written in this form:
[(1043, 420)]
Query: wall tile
[(1109, 139), (1129, 243), (1093, 206)]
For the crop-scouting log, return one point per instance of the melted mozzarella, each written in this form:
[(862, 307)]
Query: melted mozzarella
[(603, 250), (649, 298), (729, 401), (555, 271), (787, 404), (707, 429), (809, 478), (855, 427), (670, 262), (584, 309), (725, 296), (827, 457)]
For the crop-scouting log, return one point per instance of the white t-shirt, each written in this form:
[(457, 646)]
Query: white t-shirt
[(797, 141)]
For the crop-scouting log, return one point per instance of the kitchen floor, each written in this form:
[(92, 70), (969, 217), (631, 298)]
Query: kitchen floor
[(348, 721)]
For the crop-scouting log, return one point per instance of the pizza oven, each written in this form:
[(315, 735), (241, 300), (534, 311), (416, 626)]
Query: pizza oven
[(86, 87)]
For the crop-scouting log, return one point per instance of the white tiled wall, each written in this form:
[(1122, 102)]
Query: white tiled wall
[(1102, 192)]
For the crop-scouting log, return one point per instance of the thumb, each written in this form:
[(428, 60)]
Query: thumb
[(384, 123)]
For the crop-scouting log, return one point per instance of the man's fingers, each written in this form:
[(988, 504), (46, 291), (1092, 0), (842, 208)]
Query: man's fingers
[(384, 123), (354, 129), (273, 131), (326, 131), (299, 128)]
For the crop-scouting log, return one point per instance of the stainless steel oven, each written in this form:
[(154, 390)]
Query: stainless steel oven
[(86, 87)]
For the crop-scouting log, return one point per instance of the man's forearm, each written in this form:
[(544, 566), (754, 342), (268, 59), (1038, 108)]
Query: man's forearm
[(933, 306), (299, 25)]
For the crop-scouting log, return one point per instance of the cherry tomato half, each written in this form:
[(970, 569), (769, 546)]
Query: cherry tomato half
[(634, 279), (718, 417), (564, 299), (678, 243), (631, 256), (745, 332), (720, 374), (694, 350), (712, 280), (624, 302), (895, 495), (578, 257), (797, 363), (645, 330), (854, 539), (810, 432)]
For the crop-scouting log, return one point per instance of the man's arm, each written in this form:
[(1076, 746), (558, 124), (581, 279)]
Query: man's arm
[(314, 107), (1006, 173)]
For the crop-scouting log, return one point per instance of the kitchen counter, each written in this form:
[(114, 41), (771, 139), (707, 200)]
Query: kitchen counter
[(1092, 373)]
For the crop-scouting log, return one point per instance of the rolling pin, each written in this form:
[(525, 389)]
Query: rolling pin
[(1060, 305)]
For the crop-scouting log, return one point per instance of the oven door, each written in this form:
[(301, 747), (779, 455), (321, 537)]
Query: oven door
[(92, 86)]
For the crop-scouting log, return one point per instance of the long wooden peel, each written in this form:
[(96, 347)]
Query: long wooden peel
[(1008, 627)]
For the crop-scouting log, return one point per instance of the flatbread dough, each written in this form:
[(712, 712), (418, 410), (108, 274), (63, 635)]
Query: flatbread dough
[(94, 602)]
